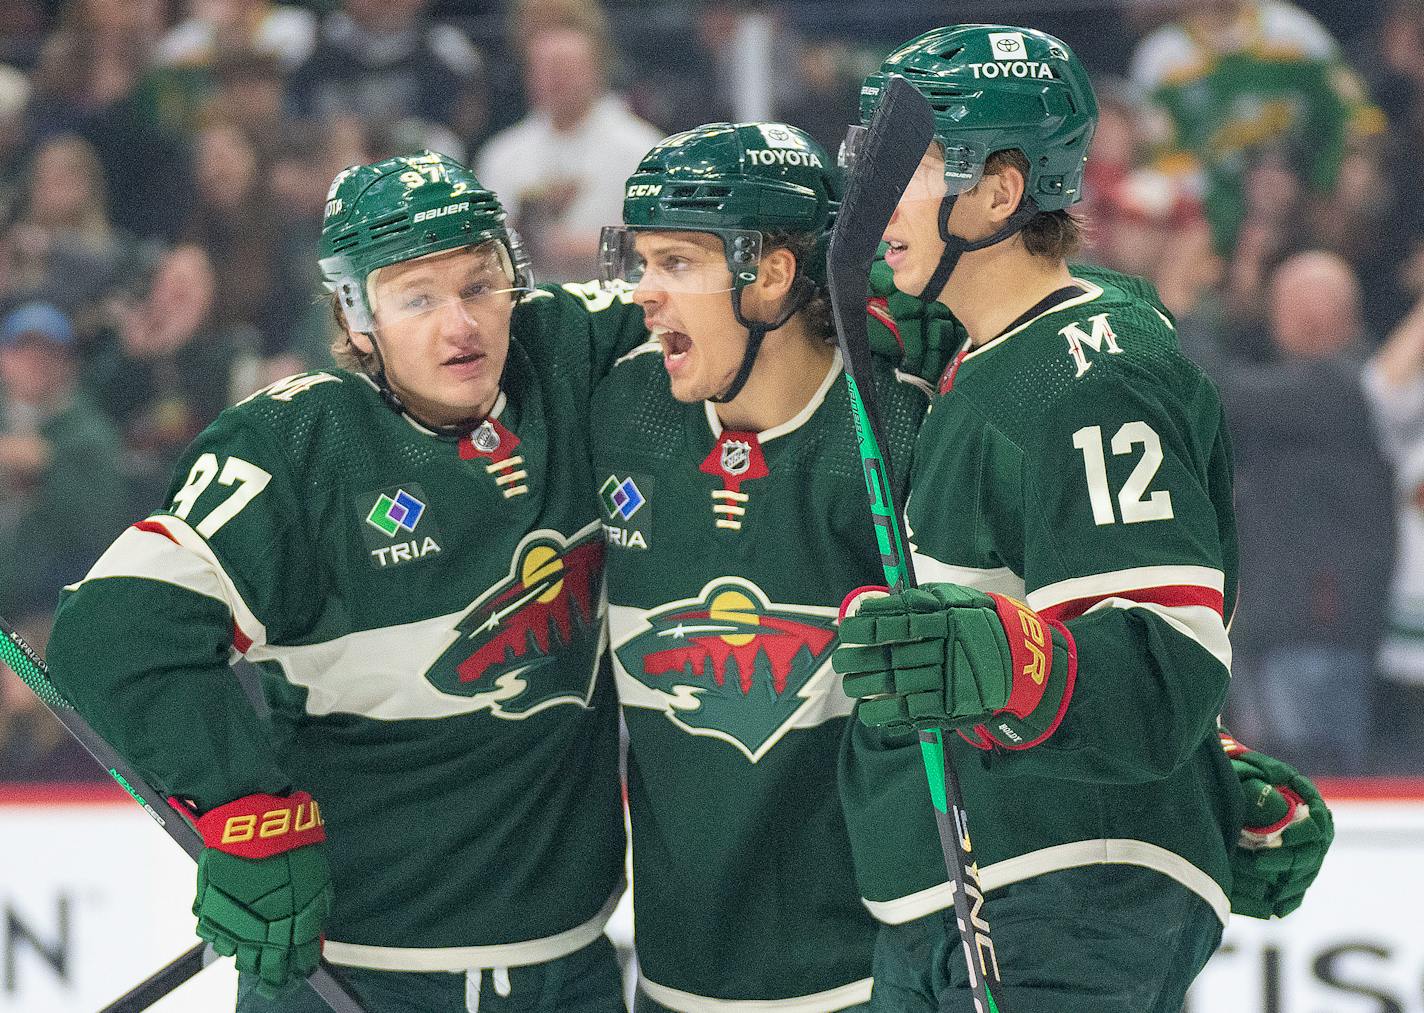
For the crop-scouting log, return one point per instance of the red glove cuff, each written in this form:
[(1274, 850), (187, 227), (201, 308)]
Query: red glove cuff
[(1232, 747), (1031, 714), (851, 603), (1030, 653), (260, 826)]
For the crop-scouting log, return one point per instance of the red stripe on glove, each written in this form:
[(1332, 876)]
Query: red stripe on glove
[(260, 826)]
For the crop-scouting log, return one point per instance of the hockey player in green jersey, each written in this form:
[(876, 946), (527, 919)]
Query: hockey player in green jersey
[(1070, 518), (409, 552), (736, 521)]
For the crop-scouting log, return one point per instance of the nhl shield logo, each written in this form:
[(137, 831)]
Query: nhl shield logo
[(736, 456), (485, 438)]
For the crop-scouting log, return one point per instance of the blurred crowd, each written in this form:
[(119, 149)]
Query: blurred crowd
[(164, 164)]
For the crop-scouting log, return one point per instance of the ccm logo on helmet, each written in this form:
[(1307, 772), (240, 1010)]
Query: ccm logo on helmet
[(644, 190), (448, 209), (1017, 68), (780, 156)]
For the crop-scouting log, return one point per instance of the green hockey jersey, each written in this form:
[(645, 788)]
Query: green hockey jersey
[(426, 613), (1081, 463), (728, 556)]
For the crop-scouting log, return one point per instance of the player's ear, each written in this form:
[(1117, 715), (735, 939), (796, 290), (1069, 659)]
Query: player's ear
[(1005, 191), (775, 273), (359, 341)]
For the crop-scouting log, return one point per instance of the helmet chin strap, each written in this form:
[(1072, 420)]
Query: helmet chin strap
[(803, 291), (392, 399), (956, 246)]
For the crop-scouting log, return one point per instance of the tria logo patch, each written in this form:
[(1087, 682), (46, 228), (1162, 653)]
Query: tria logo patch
[(621, 498), (627, 510), (533, 640), (393, 515), (732, 665)]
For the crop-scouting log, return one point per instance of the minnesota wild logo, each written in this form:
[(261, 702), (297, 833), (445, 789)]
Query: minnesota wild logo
[(533, 640), (730, 664)]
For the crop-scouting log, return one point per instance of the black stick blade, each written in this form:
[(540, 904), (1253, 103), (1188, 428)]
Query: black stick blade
[(896, 139)]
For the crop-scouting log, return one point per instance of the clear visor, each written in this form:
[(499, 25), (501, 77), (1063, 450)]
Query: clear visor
[(963, 164), (679, 261), (487, 286)]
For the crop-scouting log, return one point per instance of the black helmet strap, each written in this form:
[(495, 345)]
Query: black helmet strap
[(803, 290), (393, 401), (956, 246)]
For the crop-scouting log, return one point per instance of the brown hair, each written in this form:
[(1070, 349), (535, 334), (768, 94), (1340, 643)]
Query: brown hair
[(1056, 235), (343, 351)]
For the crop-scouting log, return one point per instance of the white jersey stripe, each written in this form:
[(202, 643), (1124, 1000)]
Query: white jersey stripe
[(1076, 854), (1000, 579), (466, 958), (1196, 622), (184, 559)]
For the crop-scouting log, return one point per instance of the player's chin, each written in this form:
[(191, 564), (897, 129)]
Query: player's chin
[(688, 389), (909, 276), (475, 396)]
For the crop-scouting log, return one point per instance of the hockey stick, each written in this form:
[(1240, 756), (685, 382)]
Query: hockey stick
[(161, 982), (25, 662), (897, 137)]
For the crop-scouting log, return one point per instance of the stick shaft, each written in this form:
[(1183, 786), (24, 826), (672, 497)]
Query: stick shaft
[(896, 138), (26, 663)]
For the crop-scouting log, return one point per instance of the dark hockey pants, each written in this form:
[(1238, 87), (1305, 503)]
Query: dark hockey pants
[(1099, 939), (586, 981)]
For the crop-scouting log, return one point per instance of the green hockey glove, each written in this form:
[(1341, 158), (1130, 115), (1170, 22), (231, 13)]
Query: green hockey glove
[(945, 655), (264, 888), (1287, 831), (922, 337)]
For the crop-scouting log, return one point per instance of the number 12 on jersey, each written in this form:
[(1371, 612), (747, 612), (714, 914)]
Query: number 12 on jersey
[(1134, 500)]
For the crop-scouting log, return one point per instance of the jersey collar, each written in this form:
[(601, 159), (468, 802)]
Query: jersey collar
[(1090, 292), (796, 421)]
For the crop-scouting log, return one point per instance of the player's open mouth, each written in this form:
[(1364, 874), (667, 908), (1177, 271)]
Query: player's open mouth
[(466, 363), (676, 345), (894, 252)]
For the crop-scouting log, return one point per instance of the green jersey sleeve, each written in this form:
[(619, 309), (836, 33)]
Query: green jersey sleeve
[(142, 645), (580, 329), (1128, 544)]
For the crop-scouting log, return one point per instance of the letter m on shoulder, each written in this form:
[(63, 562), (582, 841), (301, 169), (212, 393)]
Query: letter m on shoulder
[(1100, 333)]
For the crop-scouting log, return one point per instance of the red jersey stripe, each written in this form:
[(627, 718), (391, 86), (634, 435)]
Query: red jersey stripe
[(155, 528), (1172, 596)]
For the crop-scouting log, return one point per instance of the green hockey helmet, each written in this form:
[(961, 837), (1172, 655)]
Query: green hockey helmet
[(995, 88), (401, 208), (739, 181)]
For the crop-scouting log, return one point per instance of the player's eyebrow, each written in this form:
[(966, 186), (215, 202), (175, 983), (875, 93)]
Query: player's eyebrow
[(656, 245)]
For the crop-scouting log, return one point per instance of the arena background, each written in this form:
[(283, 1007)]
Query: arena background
[(162, 172)]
